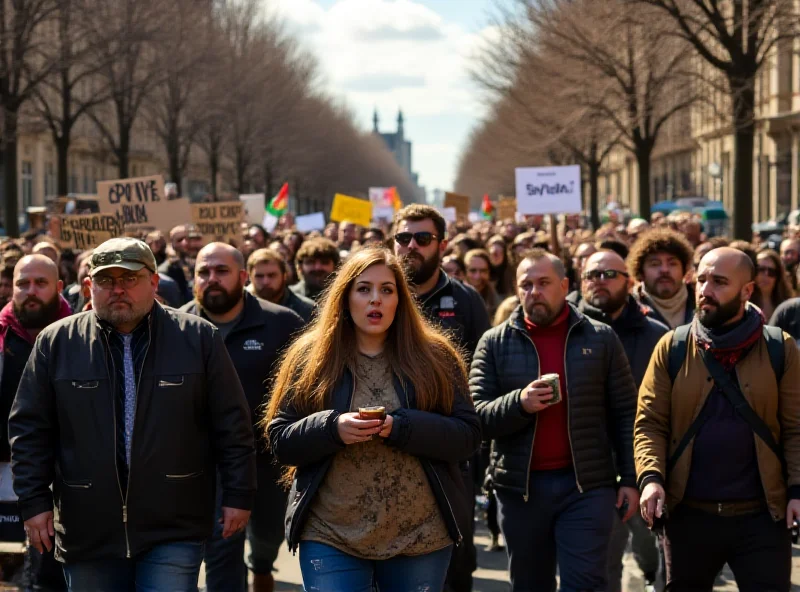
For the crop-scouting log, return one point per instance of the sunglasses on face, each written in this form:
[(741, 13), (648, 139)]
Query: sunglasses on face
[(770, 271), (423, 239), (603, 274)]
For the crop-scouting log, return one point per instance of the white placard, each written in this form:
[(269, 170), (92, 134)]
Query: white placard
[(549, 190), (382, 213), (269, 222), (449, 214), (474, 217), (309, 222), (254, 205)]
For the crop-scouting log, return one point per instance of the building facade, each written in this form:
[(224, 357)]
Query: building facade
[(401, 150)]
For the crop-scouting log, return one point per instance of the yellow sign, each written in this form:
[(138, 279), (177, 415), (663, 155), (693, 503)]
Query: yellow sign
[(141, 203), (219, 221), (459, 202), (89, 230), (352, 209), (506, 208)]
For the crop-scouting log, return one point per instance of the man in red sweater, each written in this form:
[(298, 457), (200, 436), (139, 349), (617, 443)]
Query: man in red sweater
[(560, 469)]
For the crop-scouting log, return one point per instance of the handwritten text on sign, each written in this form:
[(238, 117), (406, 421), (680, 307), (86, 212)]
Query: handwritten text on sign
[(549, 190), (89, 230), (219, 221), (140, 202)]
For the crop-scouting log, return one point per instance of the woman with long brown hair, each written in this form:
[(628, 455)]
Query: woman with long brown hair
[(773, 285), (373, 499)]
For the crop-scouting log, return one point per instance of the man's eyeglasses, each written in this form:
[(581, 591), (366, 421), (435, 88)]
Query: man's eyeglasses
[(423, 239), (603, 274), (770, 271), (106, 282)]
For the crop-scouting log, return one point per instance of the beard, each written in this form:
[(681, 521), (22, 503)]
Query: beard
[(541, 313), (38, 318), (719, 315), (418, 269), (317, 279), (663, 289), (217, 300), (133, 313), (608, 302), (271, 294)]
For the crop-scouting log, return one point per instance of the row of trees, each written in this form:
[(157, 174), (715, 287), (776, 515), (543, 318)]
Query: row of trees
[(210, 76), (573, 79)]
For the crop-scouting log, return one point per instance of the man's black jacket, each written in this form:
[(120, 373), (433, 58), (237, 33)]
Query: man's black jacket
[(787, 317), (601, 399), (15, 357), (191, 421)]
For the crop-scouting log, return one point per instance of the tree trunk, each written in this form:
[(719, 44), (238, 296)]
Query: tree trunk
[(123, 153), (594, 192), (743, 99), (644, 150), (10, 172), (173, 154), (213, 165), (62, 163)]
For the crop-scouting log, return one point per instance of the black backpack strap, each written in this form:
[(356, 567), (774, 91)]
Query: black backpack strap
[(776, 350), (677, 350), (730, 388)]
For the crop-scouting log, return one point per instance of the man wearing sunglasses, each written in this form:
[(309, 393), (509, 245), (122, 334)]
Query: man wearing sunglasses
[(128, 412), (605, 287), (418, 234)]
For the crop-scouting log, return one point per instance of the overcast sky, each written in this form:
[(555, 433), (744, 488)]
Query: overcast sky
[(413, 54)]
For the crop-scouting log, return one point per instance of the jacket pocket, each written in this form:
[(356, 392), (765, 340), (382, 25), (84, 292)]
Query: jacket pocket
[(85, 384), (183, 476), (170, 381), (79, 484)]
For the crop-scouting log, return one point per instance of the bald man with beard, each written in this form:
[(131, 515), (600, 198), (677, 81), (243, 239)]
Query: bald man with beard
[(35, 304), (706, 434)]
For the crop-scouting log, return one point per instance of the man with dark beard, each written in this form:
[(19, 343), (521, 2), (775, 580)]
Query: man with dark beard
[(269, 275), (317, 260), (36, 303), (711, 414), (419, 239), (606, 298), (255, 332)]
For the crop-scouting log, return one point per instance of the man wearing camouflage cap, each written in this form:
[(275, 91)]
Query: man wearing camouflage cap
[(125, 410)]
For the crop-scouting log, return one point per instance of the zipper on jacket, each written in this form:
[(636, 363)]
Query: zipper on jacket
[(450, 507), (527, 495), (569, 421), (130, 465)]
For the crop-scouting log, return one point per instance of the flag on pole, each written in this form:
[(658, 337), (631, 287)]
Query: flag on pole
[(277, 205), (487, 209), (396, 202)]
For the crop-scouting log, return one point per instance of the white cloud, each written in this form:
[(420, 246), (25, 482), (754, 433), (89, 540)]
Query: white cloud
[(389, 54)]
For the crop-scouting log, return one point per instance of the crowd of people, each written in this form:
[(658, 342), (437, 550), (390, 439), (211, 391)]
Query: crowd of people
[(352, 391)]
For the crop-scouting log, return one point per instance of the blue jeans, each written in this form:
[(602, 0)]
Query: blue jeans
[(326, 569), (171, 566), (225, 568), (557, 525)]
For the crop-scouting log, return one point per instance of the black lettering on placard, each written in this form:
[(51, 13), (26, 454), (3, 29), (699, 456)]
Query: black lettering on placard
[(544, 189), (141, 191), (135, 214), (218, 228), (207, 212)]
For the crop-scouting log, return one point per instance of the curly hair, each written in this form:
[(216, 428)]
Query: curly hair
[(660, 240), (318, 248)]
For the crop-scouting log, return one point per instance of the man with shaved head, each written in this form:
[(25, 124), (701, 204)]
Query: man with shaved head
[(718, 396), (35, 303), (255, 332), (560, 467), (606, 297)]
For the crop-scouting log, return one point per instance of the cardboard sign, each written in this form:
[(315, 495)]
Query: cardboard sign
[(254, 205), (459, 202), (449, 214), (88, 231), (219, 221), (549, 190), (141, 204), (506, 208), (352, 209), (309, 222)]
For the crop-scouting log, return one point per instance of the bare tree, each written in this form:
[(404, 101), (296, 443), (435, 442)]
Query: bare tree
[(23, 65), (734, 38)]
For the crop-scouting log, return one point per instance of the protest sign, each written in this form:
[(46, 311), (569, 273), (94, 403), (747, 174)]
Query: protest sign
[(549, 190), (449, 214), (141, 204), (309, 222), (254, 205), (459, 202), (474, 217), (506, 208), (381, 196), (219, 221), (352, 209), (385, 213), (88, 230)]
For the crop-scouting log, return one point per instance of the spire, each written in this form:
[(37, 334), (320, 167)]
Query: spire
[(375, 120), (399, 121)]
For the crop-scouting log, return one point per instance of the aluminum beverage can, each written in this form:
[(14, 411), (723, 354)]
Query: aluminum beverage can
[(555, 383)]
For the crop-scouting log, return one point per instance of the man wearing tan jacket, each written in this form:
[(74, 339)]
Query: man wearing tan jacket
[(716, 431)]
